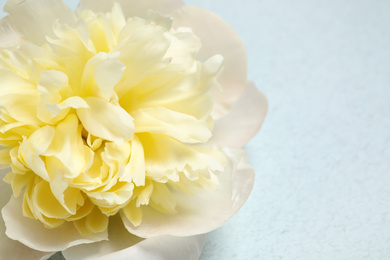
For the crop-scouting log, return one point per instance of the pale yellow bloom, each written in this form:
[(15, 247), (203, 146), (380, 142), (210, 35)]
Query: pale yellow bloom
[(104, 117), (116, 120)]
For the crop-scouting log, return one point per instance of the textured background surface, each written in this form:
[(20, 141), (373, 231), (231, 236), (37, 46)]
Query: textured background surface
[(322, 157)]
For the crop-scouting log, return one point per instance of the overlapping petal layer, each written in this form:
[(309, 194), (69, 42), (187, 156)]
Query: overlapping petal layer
[(11, 249), (107, 116)]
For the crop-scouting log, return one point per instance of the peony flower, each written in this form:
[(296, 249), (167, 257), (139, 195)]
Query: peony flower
[(121, 125)]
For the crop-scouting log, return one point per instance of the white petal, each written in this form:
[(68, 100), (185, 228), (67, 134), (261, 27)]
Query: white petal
[(34, 19), (33, 234), (243, 121), (11, 249), (162, 248), (106, 120), (217, 37), (206, 210), (123, 246), (132, 7), (119, 239), (9, 37)]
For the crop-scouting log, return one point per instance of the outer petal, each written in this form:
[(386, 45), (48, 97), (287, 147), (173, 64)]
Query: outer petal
[(243, 121), (33, 234), (123, 246), (218, 37), (119, 239), (206, 210), (9, 37), (132, 7), (34, 19), (11, 249), (162, 248)]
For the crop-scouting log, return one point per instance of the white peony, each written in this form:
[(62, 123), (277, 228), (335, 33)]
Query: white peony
[(120, 128)]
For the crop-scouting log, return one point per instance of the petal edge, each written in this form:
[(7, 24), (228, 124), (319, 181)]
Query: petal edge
[(243, 121), (207, 210), (33, 234), (217, 39)]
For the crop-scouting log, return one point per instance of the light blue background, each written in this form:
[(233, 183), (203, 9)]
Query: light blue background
[(322, 187), (322, 158)]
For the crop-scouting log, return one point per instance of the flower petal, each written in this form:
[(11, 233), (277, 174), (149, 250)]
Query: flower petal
[(131, 7), (18, 97), (220, 38), (122, 246), (161, 120), (135, 169), (162, 248), (243, 121), (105, 71), (9, 37), (165, 157), (50, 85), (34, 18), (33, 234), (119, 239), (107, 75), (11, 249), (31, 150), (73, 102), (206, 210), (106, 120)]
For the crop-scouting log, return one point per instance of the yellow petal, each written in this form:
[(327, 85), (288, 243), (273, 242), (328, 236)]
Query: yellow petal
[(132, 213), (50, 84), (166, 157), (59, 111), (5, 159), (143, 197), (83, 211), (106, 120), (18, 181), (46, 203), (108, 74), (67, 146), (105, 71), (162, 199), (31, 149), (135, 169), (117, 195), (182, 127), (118, 153), (96, 221)]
